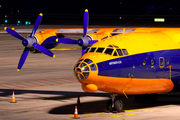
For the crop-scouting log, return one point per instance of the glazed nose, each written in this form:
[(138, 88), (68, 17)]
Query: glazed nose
[(83, 68)]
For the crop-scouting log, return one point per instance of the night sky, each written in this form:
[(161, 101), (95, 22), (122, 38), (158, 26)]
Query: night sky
[(73, 9), (95, 6)]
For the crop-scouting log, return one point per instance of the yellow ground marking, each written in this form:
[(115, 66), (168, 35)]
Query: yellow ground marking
[(129, 114), (148, 111), (133, 110), (116, 116)]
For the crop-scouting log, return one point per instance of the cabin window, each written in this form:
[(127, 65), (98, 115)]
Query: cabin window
[(87, 50), (125, 51), (144, 62), (161, 62), (109, 51), (119, 52), (92, 49), (167, 61), (100, 50), (152, 62)]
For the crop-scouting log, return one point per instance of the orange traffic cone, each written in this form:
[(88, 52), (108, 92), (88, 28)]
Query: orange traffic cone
[(76, 113), (13, 98)]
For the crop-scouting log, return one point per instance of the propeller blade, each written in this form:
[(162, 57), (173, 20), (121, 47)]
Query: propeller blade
[(36, 25), (66, 41), (85, 22), (23, 58), (43, 50), (14, 33)]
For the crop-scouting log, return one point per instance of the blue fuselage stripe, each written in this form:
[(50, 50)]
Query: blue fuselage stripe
[(132, 66)]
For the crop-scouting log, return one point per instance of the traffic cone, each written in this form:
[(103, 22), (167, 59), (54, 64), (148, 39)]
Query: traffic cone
[(76, 113), (13, 98)]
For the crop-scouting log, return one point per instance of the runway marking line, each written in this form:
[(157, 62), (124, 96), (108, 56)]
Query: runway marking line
[(23, 84), (6, 87), (49, 81), (11, 84), (54, 79), (37, 83), (34, 83)]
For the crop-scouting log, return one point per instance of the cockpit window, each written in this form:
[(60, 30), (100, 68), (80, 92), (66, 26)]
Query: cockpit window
[(115, 54), (80, 60), (83, 64), (125, 51), (110, 46), (92, 49), (88, 61), (109, 51), (77, 65), (93, 67), (85, 68), (119, 52), (100, 50), (87, 50)]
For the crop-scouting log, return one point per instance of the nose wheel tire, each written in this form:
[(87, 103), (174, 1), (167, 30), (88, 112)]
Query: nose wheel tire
[(116, 106)]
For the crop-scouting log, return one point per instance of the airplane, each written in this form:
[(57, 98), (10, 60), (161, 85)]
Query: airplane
[(130, 61)]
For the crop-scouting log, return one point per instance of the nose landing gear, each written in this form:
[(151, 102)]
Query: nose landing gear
[(114, 104)]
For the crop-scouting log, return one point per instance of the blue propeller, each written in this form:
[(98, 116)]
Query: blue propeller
[(83, 41), (29, 42)]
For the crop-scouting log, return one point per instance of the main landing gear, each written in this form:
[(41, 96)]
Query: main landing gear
[(114, 104)]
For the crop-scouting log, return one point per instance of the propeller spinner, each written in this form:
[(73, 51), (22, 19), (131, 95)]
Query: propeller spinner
[(29, 42), (83, 41)]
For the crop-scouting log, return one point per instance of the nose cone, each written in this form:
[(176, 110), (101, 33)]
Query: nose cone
[(25, 42), (83, 68)]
